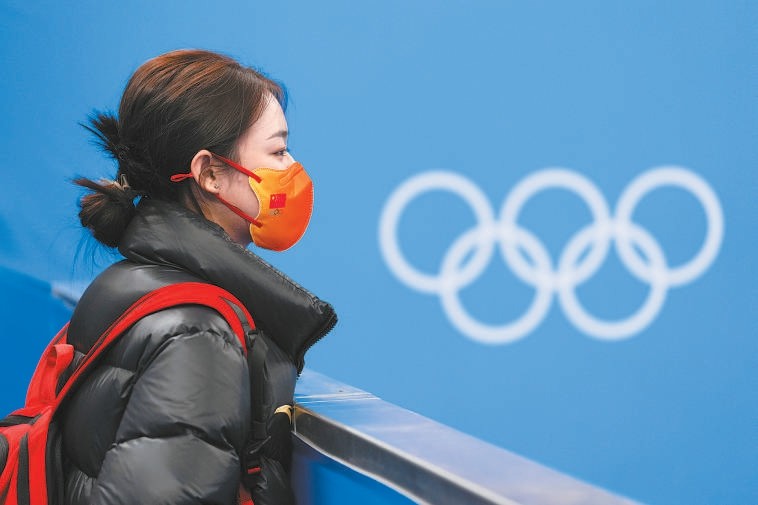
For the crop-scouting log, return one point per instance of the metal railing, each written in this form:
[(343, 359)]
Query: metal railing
[(421, 460)]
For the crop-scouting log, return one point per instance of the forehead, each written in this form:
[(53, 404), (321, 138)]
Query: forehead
[(270, 122)]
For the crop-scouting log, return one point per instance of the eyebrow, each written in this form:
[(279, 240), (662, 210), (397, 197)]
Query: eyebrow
[(281, 133)]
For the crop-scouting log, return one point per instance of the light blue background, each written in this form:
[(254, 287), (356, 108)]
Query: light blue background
[(381, 91)]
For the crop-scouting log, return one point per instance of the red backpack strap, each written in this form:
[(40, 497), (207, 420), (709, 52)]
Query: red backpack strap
[(56, 358), (185, 293)]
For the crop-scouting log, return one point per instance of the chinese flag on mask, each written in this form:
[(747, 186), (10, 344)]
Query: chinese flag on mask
[(278, 201)]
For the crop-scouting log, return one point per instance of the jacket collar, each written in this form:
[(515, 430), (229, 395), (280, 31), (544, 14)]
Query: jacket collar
[(167, 234)]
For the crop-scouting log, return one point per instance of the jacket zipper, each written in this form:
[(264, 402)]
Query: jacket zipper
[(325, 329)]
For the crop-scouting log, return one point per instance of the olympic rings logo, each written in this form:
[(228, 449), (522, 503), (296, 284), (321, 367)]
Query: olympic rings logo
[(574, 267)]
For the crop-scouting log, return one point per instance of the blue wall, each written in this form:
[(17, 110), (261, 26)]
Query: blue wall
[(493, 93)]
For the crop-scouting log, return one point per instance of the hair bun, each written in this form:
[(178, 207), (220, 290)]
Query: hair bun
[(107, 210)]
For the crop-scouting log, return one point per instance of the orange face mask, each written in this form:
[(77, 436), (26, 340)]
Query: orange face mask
[(285, 204)]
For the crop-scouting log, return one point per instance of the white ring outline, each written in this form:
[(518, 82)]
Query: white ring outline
[(560, 178), (458, 315), (402, 196), (632, 324), (671, 176)]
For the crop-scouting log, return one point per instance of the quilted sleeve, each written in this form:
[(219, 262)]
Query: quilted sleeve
[(184, 425)]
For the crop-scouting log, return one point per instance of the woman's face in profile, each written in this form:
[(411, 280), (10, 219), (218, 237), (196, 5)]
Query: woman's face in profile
[(264, 144)]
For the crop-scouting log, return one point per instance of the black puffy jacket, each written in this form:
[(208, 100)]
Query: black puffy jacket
[(164, 416)]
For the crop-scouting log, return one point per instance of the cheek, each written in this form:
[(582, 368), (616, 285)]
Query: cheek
[(244, 197), (252, 200)]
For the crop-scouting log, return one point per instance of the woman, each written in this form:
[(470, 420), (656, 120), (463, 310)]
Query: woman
[(165, 417)]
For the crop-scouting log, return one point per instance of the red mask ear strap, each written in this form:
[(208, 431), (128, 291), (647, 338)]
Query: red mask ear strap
[(238, 167), (233, 208), (239, 212), (181, 177), (233, 164)]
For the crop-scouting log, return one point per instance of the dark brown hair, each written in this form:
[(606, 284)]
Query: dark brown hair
[(173, 106)]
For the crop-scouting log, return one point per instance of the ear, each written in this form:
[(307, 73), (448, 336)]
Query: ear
[(204, 172)]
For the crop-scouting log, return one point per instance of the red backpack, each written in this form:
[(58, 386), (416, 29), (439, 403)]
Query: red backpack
[(27, 466)]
